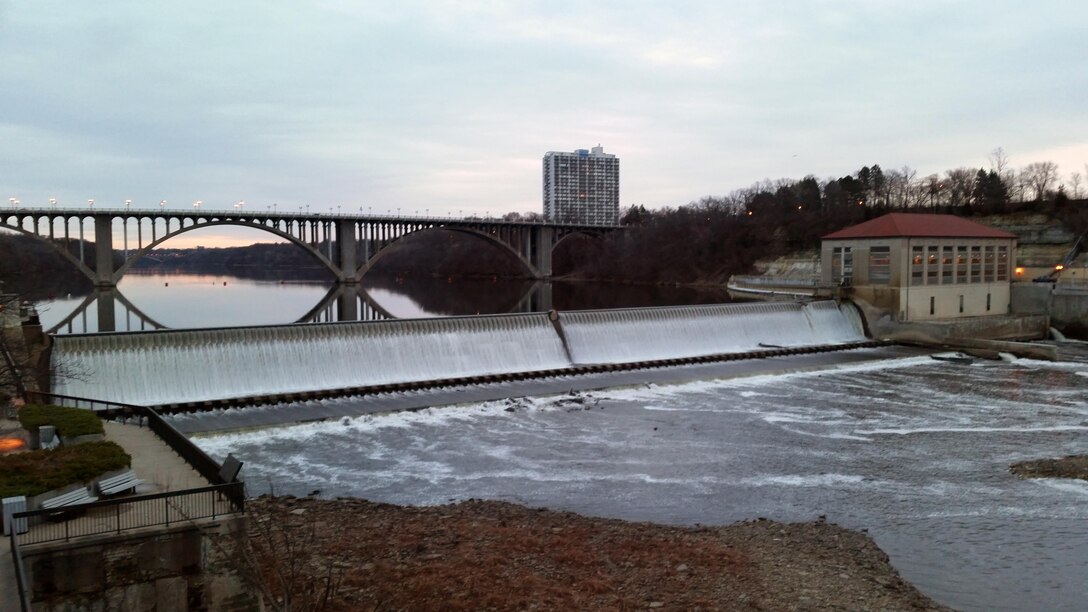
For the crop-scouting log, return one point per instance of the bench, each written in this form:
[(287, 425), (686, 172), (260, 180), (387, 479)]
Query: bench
[(79, 496), (117, 484)]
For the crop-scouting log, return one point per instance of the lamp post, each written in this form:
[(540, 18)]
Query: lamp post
[(197, 204), (52, 202), (13, 201), (90, 203), (162, 204), (128, 203)]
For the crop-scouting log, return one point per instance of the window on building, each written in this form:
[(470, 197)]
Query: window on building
[(842, 266), (932, 305), (988, 265), (880, 265), (917, 266), (1002, 263), (961, 265), (976, 264), (932, 265), (961, 303), (946, 265), (987, 302)]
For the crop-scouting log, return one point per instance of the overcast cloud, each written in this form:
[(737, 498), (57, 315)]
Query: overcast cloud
[(450, 106)]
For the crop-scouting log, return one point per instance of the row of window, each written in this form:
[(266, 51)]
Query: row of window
[(958, 265), (929, 265)]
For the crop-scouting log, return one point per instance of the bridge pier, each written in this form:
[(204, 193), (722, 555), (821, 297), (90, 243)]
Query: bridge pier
[(541, 251), (106, 307), (103, 251), (347, 305), (346, 258)]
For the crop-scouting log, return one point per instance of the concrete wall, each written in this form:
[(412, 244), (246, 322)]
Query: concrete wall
[(182, 568)]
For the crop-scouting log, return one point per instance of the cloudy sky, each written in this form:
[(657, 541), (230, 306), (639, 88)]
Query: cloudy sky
[(450, 105)]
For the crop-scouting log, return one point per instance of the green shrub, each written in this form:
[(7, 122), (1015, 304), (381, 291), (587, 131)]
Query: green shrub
[(36, 472), (70, 422)]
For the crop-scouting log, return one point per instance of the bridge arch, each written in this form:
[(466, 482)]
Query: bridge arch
[(79, 265), (137, 255), (398, 242)]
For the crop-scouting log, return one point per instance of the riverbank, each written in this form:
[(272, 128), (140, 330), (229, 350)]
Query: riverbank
[(500, 556), (1072, 466)]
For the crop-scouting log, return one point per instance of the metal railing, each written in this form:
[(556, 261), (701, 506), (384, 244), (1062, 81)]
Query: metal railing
[(118, 515), (192, 454)]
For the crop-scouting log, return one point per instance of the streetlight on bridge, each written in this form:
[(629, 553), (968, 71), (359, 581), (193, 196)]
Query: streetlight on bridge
[(197, 204), (90, 203), (128, 203), (240, 205), (12, 200), (52, 202), (162, 204)]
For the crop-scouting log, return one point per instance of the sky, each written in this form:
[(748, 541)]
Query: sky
[(447, 107)]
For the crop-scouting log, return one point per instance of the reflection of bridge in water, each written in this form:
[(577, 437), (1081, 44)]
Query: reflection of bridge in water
[(347, 245), (342, 302)]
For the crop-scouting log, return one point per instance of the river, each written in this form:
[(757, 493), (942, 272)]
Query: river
[(229, 298), (914, 451)]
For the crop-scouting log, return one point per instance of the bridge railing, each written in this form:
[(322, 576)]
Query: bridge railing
[(252, 213)]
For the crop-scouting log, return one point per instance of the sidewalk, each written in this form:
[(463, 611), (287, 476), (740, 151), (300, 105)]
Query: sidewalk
[(155, 463)]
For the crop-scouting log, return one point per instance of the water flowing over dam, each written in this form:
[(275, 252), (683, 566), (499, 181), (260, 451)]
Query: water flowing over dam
[(639, 334), (209, 364)]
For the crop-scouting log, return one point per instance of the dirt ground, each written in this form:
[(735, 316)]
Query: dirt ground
[(482, 555), (1073, 466)]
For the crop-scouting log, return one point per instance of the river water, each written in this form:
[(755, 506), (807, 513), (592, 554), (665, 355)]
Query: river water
[(230, 298), (913, 450)]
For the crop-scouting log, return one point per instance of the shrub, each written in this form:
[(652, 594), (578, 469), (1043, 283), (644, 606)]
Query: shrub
[(70, 422), (36, 472)]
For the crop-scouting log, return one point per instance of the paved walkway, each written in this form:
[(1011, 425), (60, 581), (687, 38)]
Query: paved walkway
[(160, 469), (153, 460)]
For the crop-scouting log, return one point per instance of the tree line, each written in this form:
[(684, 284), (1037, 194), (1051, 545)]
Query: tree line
[(712, 238)]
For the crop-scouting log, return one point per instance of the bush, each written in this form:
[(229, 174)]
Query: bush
[(36, 472), (70, 422)]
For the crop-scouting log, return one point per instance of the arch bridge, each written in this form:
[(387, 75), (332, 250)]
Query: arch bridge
[(348, 245)]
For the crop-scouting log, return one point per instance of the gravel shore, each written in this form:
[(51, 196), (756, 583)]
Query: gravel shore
[(483, 555), (1072, 466)]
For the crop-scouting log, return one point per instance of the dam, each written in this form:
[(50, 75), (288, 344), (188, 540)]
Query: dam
[(204, 365)]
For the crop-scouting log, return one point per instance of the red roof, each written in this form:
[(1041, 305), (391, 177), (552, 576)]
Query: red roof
[(914, 225)]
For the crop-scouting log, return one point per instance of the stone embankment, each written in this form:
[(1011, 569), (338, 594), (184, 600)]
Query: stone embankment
[(480, 555)]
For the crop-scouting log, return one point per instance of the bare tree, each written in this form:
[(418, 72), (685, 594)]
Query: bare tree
[(959, 184), (999, 161), (23, 366), (1039, 176), (1075, 180)]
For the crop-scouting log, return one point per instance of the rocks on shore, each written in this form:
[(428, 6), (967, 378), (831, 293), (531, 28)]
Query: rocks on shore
[(1072, 466), (500, 556)]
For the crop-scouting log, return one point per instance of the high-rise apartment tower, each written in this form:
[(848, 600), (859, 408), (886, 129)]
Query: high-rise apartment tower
[(582, 187)]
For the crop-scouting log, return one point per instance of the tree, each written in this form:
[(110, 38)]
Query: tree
[(999, 161), (1039, 176), (1074, 180), (959, 185)]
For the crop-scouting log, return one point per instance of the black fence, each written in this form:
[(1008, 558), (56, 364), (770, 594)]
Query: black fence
[(118, 515), (192, 454)]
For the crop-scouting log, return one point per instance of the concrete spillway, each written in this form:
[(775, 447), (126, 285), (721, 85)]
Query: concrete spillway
[(185, 366), (197, 365), (641, 334)]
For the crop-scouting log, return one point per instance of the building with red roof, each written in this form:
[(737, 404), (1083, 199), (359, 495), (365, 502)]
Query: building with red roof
[(922, 266)]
